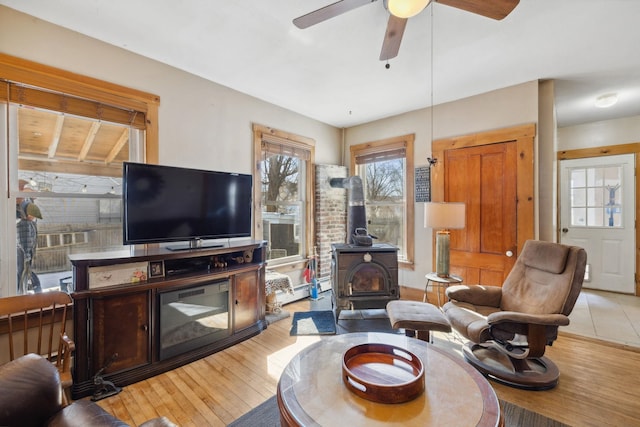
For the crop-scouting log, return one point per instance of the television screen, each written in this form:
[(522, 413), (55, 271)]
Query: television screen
[(165, 204)]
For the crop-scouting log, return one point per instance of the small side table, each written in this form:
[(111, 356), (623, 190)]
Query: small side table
[(440, 283)]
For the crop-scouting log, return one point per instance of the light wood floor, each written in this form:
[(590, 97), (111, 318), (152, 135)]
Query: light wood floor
[(599, 383)]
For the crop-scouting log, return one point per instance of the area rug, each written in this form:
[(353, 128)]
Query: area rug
[(268, 415), (313, 323)]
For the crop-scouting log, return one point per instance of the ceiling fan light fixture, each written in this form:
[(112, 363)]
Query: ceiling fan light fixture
[(607, 100), (406, 8)]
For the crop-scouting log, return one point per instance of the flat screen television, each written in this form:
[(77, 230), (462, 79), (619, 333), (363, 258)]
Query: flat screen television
[(169, 204)]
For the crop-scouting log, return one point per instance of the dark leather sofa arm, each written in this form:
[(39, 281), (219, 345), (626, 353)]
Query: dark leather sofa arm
[(31, 396), (30, 391)]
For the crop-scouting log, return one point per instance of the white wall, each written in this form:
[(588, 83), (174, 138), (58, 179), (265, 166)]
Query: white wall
[(546, 175), (201, 124), (494, 110), (598, 134)]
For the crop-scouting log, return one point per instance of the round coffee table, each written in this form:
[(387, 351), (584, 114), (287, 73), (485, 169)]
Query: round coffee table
[(311, 391)]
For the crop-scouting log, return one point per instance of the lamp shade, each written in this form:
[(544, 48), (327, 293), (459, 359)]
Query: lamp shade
[(406, 8), (444, 216)]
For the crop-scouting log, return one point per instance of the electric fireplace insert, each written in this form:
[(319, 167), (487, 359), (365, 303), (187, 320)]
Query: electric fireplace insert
[(193, 317)]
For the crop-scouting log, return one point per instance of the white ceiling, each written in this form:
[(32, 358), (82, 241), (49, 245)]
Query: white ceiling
[(331, 71)]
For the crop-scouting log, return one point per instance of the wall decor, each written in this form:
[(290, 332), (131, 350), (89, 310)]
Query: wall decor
[(423, 184)]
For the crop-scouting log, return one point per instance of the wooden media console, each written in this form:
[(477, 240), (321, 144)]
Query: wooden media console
[(128, 304)]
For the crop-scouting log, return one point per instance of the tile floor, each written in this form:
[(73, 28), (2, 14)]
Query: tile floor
[(606, 315)]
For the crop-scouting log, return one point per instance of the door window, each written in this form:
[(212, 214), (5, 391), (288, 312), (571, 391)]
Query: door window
[(596, 196)]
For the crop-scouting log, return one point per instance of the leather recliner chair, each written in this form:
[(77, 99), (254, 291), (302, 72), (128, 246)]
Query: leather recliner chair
[(509, 327), (31, 395)]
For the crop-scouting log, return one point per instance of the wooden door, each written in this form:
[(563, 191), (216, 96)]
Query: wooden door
[(492, 173)]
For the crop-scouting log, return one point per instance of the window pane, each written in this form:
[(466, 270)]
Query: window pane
[(73, 167), (611, 175), (385, 222), (384, 181), (601, 197), (578, 217), (282, 231), (578, 178), (384, 188), (282, 207), (578, 197), (595, 217), (594, 197), (594, 177), (614, 217), (68, 225)]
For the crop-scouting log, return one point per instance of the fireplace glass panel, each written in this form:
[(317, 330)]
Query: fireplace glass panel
[(368, 278), (193, 317)]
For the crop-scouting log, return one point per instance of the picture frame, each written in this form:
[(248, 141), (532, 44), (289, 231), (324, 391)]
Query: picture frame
[(156, 269)]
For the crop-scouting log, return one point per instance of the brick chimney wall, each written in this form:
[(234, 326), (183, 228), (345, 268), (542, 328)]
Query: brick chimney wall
[(331, 214)]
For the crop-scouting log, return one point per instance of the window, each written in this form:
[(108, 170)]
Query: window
[(386, 170), (283, 189), (596, 196), (66, 137)]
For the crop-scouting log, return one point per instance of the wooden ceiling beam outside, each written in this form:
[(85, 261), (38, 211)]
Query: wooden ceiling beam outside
[(88, 142), (61, 166), (124, 138), (57, 131)]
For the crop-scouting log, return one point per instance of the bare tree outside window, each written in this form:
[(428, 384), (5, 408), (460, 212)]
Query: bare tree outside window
[(386, 168), (280, 179), (384, 198), (282, 207)]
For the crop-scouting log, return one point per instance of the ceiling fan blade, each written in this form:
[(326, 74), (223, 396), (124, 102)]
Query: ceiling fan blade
[(392, 37), (495, 9), (328, 12)]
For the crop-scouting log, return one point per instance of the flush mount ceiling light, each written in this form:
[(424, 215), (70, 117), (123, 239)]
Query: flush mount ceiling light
[(607, 100), (406, 8)]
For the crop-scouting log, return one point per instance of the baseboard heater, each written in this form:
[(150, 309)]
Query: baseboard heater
[(302, 291)]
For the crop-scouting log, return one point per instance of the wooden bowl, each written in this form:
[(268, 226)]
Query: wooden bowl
[(383, 373)]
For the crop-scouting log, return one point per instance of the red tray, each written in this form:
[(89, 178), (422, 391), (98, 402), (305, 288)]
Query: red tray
[(383, 373)]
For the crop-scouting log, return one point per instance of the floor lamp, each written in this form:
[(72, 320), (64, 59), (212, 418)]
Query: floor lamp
[(443, 217)]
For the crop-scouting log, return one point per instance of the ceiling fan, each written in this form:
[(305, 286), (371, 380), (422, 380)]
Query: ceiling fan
[(400, 11)]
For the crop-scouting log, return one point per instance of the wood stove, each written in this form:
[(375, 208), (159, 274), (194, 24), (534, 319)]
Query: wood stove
[(363, 277)]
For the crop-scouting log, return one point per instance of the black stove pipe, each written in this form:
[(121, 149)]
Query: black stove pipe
[(356, 211)]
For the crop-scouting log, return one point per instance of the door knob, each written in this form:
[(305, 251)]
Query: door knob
[(509, 254), (565, 230)]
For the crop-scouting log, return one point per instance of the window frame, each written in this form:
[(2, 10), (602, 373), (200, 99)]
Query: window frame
[(14, 70), (294, 142), (386, 145), (55, 79)]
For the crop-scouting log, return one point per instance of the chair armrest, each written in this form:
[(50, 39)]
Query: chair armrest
[(524, 318), (489, 296), (67, 346)]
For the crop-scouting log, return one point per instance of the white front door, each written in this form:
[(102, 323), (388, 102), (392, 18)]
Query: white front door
[(597, 212)]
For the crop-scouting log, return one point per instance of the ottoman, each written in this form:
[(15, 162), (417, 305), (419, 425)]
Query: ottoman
[(420, 317)]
